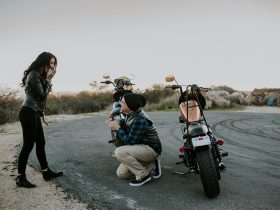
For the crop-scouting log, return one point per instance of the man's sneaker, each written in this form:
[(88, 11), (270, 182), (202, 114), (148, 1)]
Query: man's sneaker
[(49, 174), (21, 181), (140, 182), (157, 171)]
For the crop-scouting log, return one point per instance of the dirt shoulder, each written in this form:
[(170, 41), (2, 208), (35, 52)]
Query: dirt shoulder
[(47, 195)]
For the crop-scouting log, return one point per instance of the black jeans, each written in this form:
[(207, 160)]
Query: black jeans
[(32, 133)]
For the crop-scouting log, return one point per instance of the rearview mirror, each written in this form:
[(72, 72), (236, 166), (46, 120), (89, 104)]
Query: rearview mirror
[(169, 78)]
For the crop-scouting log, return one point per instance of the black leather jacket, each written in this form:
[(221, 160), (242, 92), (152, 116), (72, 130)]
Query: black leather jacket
[(36, 91)]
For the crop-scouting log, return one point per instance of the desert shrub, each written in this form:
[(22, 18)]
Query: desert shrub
[(226, 88), (92, 102), (157, 96), (169, 103), (10, 105), (157, 93), (60, 103), (75, 103), (271, 89)]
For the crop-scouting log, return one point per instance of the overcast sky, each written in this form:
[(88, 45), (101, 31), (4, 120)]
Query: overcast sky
[(234, 43)]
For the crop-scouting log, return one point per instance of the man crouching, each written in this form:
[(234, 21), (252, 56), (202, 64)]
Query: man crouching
[(139, 155)]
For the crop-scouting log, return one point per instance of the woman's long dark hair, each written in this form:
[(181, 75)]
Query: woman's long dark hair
[(41, 61)]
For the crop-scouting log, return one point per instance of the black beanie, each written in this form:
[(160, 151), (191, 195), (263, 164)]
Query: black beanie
[(134, 101)]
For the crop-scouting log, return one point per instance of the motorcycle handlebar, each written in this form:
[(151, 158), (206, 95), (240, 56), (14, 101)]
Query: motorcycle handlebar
[(173, 87), (106, 82), (194, 87)]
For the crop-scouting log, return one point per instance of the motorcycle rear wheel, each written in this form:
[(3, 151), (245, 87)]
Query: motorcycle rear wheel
[(208, 172)]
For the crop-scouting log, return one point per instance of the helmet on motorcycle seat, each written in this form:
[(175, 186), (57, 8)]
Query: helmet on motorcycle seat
[(123, 82)]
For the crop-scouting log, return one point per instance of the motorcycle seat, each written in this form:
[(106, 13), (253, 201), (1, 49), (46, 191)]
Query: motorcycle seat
[(197, 129)]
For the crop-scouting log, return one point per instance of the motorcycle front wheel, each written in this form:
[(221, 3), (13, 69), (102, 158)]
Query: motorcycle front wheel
[(208, 172)]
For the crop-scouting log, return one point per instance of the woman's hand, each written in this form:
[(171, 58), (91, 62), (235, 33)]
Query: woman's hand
[(44, 121), (51, 73)]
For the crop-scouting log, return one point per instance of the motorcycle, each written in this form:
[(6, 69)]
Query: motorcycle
[(200, 152), (122, 86)]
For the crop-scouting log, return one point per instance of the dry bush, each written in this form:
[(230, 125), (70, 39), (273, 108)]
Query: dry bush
[(226, 88), (75, 103), (157, 93), (169, 103), (10, 105), (158, 98), (88, 101), (271, 89)]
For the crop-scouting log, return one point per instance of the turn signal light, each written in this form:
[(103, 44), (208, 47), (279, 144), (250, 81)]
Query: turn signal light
[(220, 142), (182, 149)]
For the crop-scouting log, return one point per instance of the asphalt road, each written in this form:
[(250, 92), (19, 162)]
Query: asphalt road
[(251, 181)]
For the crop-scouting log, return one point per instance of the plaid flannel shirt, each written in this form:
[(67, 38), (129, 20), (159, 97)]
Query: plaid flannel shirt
[(137, 129)]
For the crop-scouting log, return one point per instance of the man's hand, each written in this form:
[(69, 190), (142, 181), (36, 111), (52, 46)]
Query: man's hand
[(113, 124)]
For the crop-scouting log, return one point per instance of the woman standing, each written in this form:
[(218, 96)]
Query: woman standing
[(37, 83)]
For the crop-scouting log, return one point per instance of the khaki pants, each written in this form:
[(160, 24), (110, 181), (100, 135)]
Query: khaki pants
[(136, 160)]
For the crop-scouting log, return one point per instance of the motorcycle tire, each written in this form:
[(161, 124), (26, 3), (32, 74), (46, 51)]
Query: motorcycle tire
[(208, 172), (216, 163)]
